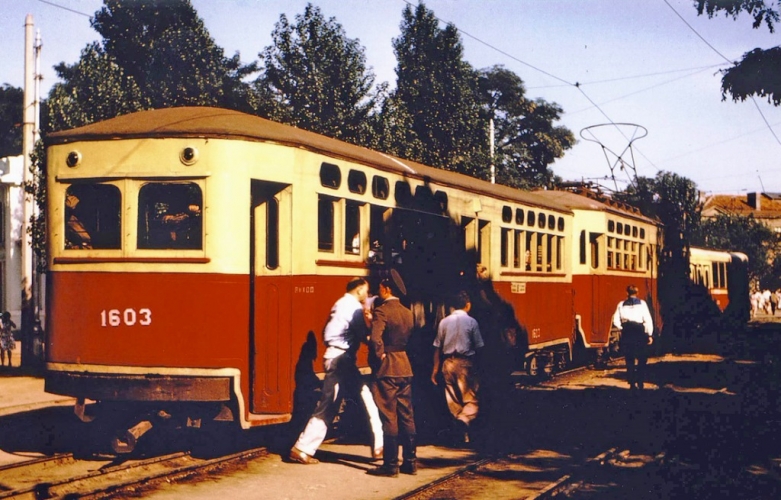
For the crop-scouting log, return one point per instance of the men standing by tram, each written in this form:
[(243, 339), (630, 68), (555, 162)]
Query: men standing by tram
[(391, 329), (633, 318), (343, 334)]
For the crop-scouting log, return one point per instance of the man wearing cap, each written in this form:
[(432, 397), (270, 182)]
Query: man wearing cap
[(634, 320), (391, 329)]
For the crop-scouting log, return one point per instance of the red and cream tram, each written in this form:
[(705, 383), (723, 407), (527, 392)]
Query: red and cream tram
[(614, 246), (194, 255), (723, 274)]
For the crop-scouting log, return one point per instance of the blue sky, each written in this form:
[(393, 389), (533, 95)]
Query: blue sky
[(637, 61)]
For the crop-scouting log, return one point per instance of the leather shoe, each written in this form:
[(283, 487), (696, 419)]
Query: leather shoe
[(300, 457), (377, 453), (384, 471)]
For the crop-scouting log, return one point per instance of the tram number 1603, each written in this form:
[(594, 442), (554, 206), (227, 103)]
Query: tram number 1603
[(128, 317)]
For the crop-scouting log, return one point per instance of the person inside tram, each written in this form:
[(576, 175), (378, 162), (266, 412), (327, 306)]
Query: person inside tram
[(76, 235)]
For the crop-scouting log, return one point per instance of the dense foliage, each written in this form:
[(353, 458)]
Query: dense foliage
[(11, 103), (315, 78), (759, 71)]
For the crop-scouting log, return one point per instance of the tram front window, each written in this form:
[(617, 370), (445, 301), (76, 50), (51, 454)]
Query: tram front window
[(169, 216), (92, 216)]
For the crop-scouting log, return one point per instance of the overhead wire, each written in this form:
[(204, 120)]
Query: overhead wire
[(577, 85), (65, 8), (726, 59)]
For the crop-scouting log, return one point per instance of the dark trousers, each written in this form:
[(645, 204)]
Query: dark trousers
[(634, 345), (393, 396)]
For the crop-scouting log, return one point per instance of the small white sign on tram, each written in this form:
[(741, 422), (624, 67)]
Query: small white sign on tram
[(518, 287)]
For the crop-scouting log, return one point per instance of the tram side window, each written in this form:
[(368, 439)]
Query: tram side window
[(377, 238), (169, 216), (92, 216), (325, 223), (583, 247), (517, 248), (530, 247), (594, 243), (352, 228), (505, 249)]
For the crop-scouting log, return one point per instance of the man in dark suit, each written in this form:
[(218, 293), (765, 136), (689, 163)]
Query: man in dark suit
[(391, 329)]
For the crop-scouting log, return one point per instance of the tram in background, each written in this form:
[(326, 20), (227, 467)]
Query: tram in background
[(723, 274), (194, 255)]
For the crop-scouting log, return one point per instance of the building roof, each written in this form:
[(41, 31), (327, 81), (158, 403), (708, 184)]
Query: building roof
[(770, 205)]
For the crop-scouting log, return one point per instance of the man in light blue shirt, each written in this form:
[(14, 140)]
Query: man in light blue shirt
[(457, 341)]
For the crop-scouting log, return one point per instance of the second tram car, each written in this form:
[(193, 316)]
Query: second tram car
[(724, 275)]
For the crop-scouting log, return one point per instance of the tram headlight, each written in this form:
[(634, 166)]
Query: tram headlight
[(189, 155), (73, 159)]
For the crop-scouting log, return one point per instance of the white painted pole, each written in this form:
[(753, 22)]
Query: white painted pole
[(491, 140), (28, 142)]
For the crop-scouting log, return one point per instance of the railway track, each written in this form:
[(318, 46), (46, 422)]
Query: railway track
[(574, 480), (65, 476)]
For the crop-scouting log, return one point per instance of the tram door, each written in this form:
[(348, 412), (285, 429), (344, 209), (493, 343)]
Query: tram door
[(271, 292)]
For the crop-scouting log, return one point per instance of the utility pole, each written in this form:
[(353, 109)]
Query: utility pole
[(28, 143)]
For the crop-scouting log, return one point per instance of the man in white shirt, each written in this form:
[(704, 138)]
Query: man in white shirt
[(458, 338), (634, 320), (343, 334)]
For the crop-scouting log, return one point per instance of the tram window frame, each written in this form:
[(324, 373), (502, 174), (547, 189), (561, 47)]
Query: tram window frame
[(634, 231), (531, 217), (272, 233), (619, 228), (442, 200), (326, 224), (378, 240), (517, 248), (505, 247), (484, 241), (330, 175), (549, 253), (87, 209), (539, 263), (529, 251), (352, 227), (551, 222), (642, 233), (380, 187), (507, 214), (583, 259), (611, 226), (595, 249), (356, 181), (559, 253), (561, 224), (180, 227), (403, 193), (541, 220), (519, 216)]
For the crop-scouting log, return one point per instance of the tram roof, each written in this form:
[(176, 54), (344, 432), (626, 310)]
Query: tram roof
[(229, 124), (588, 200)]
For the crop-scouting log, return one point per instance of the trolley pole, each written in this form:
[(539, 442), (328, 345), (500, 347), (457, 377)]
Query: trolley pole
[(28, 143)]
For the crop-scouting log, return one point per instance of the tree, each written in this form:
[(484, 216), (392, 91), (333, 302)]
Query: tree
[(315, 78), (167, 51), (93, 89), (525, 137), (11, 104), (436, 96), (759, 71)]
